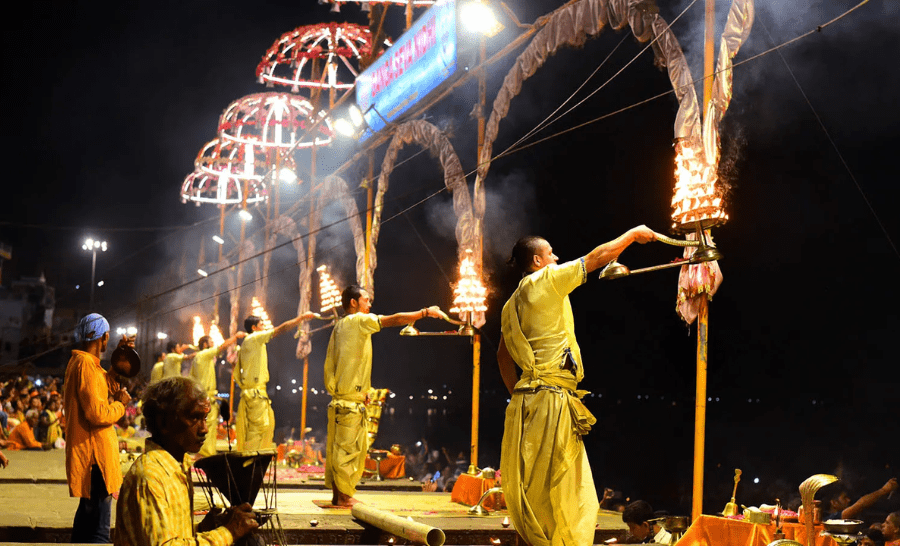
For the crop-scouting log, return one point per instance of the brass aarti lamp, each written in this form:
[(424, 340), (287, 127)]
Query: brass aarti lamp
[(705, 252), (465, 328)]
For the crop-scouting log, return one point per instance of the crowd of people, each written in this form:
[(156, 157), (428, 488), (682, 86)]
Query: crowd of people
[(30, 414)]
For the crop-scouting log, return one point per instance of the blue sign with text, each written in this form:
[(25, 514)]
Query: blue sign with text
[(418, 62)]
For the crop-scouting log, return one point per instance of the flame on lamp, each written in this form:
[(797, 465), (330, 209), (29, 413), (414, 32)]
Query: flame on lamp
[(216, 335), (329, 295), (697, 197), (256, 309), (198, 330), (469, 293)]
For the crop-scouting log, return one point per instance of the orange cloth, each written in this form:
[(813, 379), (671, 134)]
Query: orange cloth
[(394, 467), (90, 437), (468, 490), (716, 531), (22, 437)]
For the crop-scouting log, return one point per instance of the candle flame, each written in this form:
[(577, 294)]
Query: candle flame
[(470, 293), (697, 196)]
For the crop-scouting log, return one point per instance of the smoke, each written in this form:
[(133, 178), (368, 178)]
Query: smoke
[(335, 246), (510, 203), (818, 62)]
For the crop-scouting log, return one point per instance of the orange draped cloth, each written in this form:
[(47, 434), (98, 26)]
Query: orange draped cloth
[(393, 467), (468, 490), (717, 531), (22, 437)]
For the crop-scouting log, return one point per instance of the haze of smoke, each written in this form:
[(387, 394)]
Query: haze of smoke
[(335, 245), (511, 202)]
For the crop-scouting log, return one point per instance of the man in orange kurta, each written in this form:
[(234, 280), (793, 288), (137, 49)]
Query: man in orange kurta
[(22, 437), (92, 458)]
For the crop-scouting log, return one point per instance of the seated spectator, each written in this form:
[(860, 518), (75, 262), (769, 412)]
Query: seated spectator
[(49, 428), (872, 537), (638, 516), (22, 437), (154, 505), (17, 415), (891, 529), (838, 501)]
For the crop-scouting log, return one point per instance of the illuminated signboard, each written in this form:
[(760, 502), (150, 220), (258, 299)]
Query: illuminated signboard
[(418, 62)]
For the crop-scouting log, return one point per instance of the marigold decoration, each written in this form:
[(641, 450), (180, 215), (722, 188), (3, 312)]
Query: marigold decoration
[(469, 293), (337, 46), (197, 331), (274, 121), (329, 295), (220, 170), (256, 309)]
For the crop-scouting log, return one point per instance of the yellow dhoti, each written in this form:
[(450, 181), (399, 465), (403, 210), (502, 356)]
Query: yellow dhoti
[(345, 454), (547, 481), (212, 425), (255, 423)]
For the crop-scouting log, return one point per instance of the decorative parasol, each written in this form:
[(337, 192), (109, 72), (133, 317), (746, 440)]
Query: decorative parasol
[(323, 56)]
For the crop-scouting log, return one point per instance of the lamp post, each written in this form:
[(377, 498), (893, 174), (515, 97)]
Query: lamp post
[(93, 246)]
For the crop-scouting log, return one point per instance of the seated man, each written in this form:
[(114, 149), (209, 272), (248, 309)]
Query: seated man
[(641, 530), (22, 437), (891, 529), (154, 506)]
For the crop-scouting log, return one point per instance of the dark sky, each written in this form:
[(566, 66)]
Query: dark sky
[(108, 105)]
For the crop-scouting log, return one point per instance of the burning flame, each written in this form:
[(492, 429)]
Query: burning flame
[(216, 335), (256, 309), (470, 293), (198, 331), (696, 195), (329, 295)]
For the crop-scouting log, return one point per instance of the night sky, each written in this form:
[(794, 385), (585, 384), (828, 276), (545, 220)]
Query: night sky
[(107, 107)]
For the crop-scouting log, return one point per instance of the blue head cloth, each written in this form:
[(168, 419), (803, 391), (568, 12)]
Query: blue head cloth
[(91, 327)]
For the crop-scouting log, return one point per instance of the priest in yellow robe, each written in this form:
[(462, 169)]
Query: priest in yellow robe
[(547, 480)]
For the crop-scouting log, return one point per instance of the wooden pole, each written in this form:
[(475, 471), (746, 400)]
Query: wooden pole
[(476, 398), (237, 298), (476, 338), (700, 409), (305, 390), (370, 187), (221, 236), (703, 316)]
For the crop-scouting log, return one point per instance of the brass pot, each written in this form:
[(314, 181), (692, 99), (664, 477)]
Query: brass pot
[(676, 524), (843, 526)]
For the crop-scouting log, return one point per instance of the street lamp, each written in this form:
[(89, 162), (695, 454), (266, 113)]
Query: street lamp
[(93, 246)]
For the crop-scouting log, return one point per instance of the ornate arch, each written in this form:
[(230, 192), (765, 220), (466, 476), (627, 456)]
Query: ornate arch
[(572, 25), (428, 136)]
